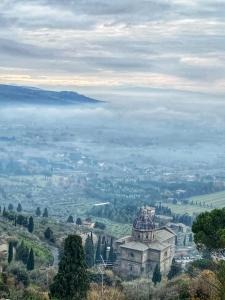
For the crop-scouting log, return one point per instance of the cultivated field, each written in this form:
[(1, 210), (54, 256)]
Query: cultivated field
[(200, 203)]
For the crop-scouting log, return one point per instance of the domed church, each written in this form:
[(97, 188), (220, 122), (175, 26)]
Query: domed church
[(138, 254)]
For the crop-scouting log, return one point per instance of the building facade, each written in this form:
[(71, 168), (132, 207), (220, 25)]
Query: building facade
[(138, 254)]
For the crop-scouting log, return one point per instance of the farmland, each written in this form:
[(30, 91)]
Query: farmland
[(200, 203)]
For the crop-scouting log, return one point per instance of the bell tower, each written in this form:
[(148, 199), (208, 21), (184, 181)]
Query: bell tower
[(144, 226)]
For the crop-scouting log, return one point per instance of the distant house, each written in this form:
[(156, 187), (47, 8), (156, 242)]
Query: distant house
[(88, 224), (148, 246)]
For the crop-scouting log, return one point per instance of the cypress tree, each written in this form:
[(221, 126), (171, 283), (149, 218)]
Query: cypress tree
[(71, 282), (156, 275), (49, 235), (89, 252), (45, 213), (104, 252), (30, 261), (10, 252), (4, 213), (10, 207), (112, 255), (98, 251), (19, 208), (38, 212), (70, 219), (175, 270), (79, 221), (31, 225)]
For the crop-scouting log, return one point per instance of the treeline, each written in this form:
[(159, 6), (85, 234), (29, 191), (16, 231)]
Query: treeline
[(121, 214), (127, 213)]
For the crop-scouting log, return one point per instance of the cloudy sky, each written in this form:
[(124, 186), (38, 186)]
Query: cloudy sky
[(105, 47)]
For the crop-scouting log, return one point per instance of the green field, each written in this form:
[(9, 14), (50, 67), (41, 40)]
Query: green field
[(216, 199), (115, 229), (200, 203)]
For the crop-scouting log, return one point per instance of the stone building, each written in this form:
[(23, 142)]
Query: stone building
[(138, 254)]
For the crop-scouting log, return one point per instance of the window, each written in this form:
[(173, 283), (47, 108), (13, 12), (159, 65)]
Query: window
[(131, 254), (130, 267)]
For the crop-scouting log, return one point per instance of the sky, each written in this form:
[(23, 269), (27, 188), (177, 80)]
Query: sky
[(120, 47)]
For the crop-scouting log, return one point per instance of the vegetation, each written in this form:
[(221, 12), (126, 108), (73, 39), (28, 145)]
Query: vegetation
[(30, 260), (157, 276), (71, 282), (10, 252), (89, 252), (209, 230)]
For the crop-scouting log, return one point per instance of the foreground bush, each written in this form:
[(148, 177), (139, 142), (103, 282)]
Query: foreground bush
[(109, 293)]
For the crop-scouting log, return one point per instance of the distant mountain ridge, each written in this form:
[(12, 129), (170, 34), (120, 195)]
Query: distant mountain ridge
[(11, 94)]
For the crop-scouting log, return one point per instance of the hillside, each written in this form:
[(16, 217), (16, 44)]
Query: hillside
[(10, 94)]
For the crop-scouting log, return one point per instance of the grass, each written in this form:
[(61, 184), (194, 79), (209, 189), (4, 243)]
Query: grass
[(42, 253), (115, 229), (216, 199), (201, 203), (189, 209)]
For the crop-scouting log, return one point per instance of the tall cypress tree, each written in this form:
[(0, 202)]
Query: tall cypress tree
[(112, 255), (104, 252), (89, 252), (45, 213), (175, 270), (98, 251), (31, 225), (19, 208), (30, 261), (70, 219), (71, 282), (38, 212), (10, 252), (156, 275), (4, 213)]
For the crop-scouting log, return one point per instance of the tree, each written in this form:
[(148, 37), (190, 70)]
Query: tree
[(100, 225), (70, 219), (10, 207), (79, 221), (31, 225), (10, 252), (112, 255), (45, 213), (19, 208), (184, 241), (30, 261), (71, 282), (104, 251), (4, 213), (49, 235), (98, 251), (89, 252), (175, 270), (209, 230), (156, 275), (38, 212), (22, 252)]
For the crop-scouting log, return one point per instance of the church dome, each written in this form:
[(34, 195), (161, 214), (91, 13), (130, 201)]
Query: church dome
[(145, 219)]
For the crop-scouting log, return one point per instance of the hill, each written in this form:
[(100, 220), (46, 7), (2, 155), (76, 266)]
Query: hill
[(10, 94)]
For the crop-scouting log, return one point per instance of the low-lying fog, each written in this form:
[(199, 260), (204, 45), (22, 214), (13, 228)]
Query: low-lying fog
[(165, 128)]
